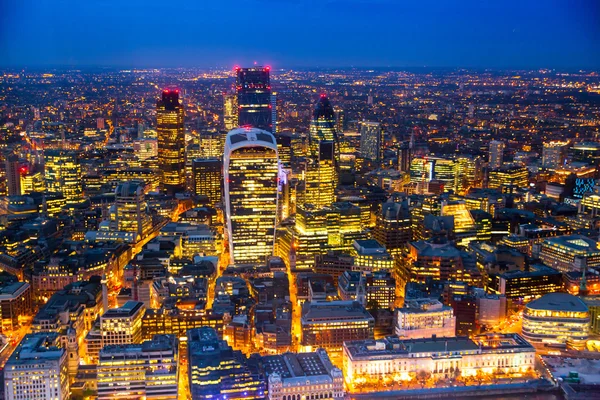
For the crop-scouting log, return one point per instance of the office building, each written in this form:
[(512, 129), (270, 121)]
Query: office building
[(496, 154), (149, 370), (13, 175), (442, 358), (393, 227), (380, 289), (170, 133), (250, 170), (322, 127), (570, 253), (491, 309), (509, 178), (230, 111), (207, 178), (63, 174), (553, 154), (526, 285), (428, 260), (304, 375), (371, 140), (320, 176), (131, 210), (329, 324), (370, 256), (465, 229), (37, 369), (122, 325), (215, 370), (423, 318), (15, 304), (557, 318), (253, 87), (274, 113)]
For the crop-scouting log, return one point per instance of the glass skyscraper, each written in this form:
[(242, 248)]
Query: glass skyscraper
[(171, 140), (371, 140), (250, 172), (253, 87)]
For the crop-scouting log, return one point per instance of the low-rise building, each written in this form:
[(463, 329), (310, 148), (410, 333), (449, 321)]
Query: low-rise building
[(329, 324), (37, 369), (304, 375), (441, 358), (146, 370), (557, 318)]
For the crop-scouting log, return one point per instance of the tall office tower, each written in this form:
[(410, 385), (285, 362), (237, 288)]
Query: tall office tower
[(132, 213), (149, 370), (171, 140), (254, 97), (37, 369), (13, 175), (393, 228), (284, 148), (274, 112), (250, 169), (324, 150), (371, 140), (404, 157), (207, 177), (230, 111), (217, 371), (496, 154), (63, 174), (320, 176), (322, 125), (553, 154), (340, 121)]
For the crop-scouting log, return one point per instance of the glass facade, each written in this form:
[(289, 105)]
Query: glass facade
[(253, 87), (251, 170), (171, 140)]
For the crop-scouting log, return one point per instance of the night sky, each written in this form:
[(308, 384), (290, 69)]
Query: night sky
[(301, 33)]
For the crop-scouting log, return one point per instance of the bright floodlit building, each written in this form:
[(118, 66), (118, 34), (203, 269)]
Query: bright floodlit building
[(423, 318), (557, 318), (207, 178), (170, 133), (37, 369), (401, 359), (144, 371), (303, 375), (250, 171), (62, 172)]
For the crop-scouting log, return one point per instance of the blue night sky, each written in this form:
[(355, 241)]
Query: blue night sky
[(301, 33)]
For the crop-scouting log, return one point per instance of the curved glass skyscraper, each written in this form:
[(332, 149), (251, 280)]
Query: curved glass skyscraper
[(250, 171)]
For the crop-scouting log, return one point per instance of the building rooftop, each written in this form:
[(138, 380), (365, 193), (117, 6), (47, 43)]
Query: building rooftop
[(316, 312), (575, 243), (127, 310), (558, 302)]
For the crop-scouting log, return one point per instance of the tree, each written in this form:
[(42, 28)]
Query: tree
[(423, 376)]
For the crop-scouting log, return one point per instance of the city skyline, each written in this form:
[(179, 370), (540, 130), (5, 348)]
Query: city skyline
[(323, 34)]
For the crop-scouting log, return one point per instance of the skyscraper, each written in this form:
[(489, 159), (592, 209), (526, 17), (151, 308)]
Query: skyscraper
[(230, 111), (63, 174), (171, 140), (253, 88), (208, 178), (320, 176), (274, 112), (250, 168), (13, 175), (371, 140), (496, 154), (321, 173), (322, 125)]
